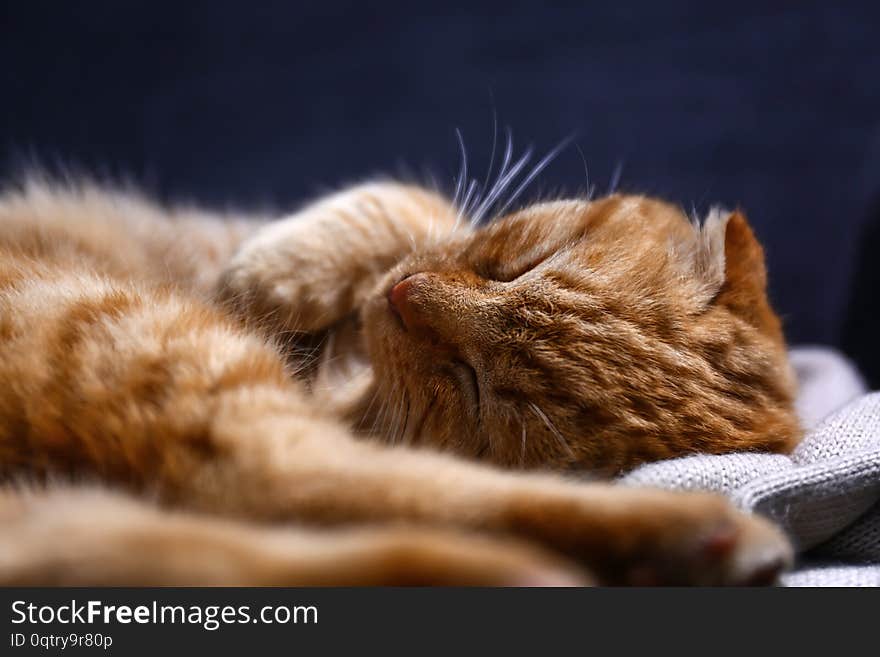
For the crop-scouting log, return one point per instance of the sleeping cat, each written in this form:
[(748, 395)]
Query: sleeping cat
[(374, 391)]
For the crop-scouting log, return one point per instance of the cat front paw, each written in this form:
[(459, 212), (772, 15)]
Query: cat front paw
[(717, 546), (283, 278), (308, 271), (652, 537)]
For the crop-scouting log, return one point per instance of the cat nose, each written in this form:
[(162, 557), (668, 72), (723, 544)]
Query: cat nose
[(400, 298)]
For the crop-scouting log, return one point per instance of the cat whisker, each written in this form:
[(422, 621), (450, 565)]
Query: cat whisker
[(508, 154), (368, 408), (305, 358), (400, 417), (462, 171), (375, 424), (416, 430), (394, 413), (540, 166), (467, 199), (403, 436), (494, 146), (462, 179), (501, 186), (479, 213), (411, 237), (590, 189), (552, 427), (382, 416), (615, 177)]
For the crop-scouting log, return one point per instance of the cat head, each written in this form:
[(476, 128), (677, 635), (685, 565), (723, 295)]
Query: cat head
[(591, 335)]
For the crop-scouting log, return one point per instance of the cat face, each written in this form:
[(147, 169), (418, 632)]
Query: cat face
[(591, 335)]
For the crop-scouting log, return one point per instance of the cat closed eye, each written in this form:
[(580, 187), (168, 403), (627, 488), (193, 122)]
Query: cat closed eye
[(507, 273), (467, 381)]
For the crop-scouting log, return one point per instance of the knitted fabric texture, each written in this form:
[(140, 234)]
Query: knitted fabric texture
[(825, 494)]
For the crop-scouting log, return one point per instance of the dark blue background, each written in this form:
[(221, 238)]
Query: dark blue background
[(771, 106)]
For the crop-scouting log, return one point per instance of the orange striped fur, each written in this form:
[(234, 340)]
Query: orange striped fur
[(215, 379)]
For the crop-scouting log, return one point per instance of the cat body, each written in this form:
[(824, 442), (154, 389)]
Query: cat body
[(373, 391)]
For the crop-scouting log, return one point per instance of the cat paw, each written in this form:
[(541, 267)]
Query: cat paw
[(308, 271), (651, 537), (283, 276), (717, 547)]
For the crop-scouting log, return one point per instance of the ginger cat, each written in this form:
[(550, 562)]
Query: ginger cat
[(342, 396)]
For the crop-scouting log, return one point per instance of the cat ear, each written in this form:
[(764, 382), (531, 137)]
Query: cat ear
[(745, 275), (744, 290)]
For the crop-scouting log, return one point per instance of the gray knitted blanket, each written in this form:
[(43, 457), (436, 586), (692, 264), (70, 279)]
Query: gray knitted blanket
[(826, 494)]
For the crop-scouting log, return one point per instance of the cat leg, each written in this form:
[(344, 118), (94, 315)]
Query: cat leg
[(319, 474), (96, 537), (310, 270), (157, 392)]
